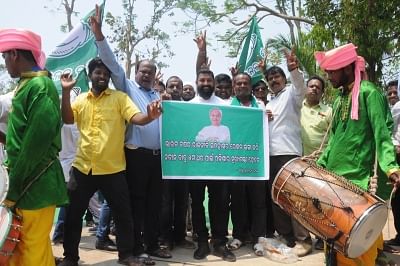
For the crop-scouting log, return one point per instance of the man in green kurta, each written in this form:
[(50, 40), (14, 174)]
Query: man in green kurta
[(351, 147), (36, 182), (360, 129)]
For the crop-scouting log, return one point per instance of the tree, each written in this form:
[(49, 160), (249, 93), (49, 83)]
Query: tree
[(371, 25), (127, 36), (207, 13), (67, 6), (303, 47)]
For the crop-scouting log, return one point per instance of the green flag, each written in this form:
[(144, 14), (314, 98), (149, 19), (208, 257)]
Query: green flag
[(252, 52), (73, 54)]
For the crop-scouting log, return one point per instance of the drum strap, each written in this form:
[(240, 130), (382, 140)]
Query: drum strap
[(330, 254), (31, 183), (339, 235)]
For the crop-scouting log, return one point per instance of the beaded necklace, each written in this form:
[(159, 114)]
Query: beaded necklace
[(345, 101)]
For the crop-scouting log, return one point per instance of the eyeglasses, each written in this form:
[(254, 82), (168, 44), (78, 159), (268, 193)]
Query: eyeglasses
[(260, 89)]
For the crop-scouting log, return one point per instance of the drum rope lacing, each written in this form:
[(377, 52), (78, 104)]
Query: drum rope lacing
[(346, 185), (319, 221), (316, 202)]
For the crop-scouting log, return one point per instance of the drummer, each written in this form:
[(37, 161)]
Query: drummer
[(361, 122), (33, 142)]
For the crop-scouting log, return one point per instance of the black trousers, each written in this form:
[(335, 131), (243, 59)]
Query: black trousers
[(218, 209), (248, 209), (395, 203), (285, 225), (143, 175), (174, 204), (81, 188)]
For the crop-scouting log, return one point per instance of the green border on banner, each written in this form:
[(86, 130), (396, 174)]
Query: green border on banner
[(194, 148)]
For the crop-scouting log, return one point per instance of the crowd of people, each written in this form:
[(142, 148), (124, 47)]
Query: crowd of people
[(110, 147)]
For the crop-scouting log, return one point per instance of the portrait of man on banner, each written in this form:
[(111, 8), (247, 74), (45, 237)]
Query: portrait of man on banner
[(214, 132)]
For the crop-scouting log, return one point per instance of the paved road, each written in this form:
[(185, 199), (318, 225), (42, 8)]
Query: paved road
[(245, 257)]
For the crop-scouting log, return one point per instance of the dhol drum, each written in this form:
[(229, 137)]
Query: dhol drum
[(330, 206), (10, 229), (3, 183)]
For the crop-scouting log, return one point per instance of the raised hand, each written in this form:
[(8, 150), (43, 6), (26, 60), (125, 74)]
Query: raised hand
[(154, 109), (158, 77), (95, 24), (234, 70), (165, 96), (291, 59), (67, 82), (201, 42), (262, 63), (206, 65), (269, 115)]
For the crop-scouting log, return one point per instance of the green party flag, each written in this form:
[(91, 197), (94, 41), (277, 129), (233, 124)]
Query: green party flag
[(73, 54), (252, 52)]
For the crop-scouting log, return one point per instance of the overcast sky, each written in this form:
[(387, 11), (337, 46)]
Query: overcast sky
[(46, 22)]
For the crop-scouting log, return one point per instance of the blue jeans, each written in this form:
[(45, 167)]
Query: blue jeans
[(59, 228), (103, 228)]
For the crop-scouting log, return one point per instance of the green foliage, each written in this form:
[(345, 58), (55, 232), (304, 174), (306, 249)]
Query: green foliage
[(371, 25), (303, 47), (64, 28), (239, 13), (128, 37)]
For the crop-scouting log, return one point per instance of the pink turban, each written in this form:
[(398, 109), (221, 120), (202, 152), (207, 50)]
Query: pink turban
[(340, 57), (24, 40)]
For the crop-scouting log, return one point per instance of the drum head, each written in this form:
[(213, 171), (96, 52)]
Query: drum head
[(3, 183), (367, 229), (5, 224), (273, 196)]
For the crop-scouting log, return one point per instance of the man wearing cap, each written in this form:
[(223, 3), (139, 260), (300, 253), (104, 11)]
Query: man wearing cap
[(360, 125), (36, 181)]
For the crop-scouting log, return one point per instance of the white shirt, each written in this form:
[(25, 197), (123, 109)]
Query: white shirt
[(285, 129), (396, 123), (214, 134), (5, 106), (212, 100), (69, 141)]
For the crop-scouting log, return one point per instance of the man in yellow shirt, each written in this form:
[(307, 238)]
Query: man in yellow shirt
[(100, 115), (315, 116)]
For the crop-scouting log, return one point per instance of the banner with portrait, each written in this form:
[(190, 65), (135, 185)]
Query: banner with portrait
[(214, 142)]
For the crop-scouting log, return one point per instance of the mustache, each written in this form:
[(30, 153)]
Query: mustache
[(274, 83), (206, 87)]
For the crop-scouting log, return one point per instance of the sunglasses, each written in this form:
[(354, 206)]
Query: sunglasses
[(260, 89)]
